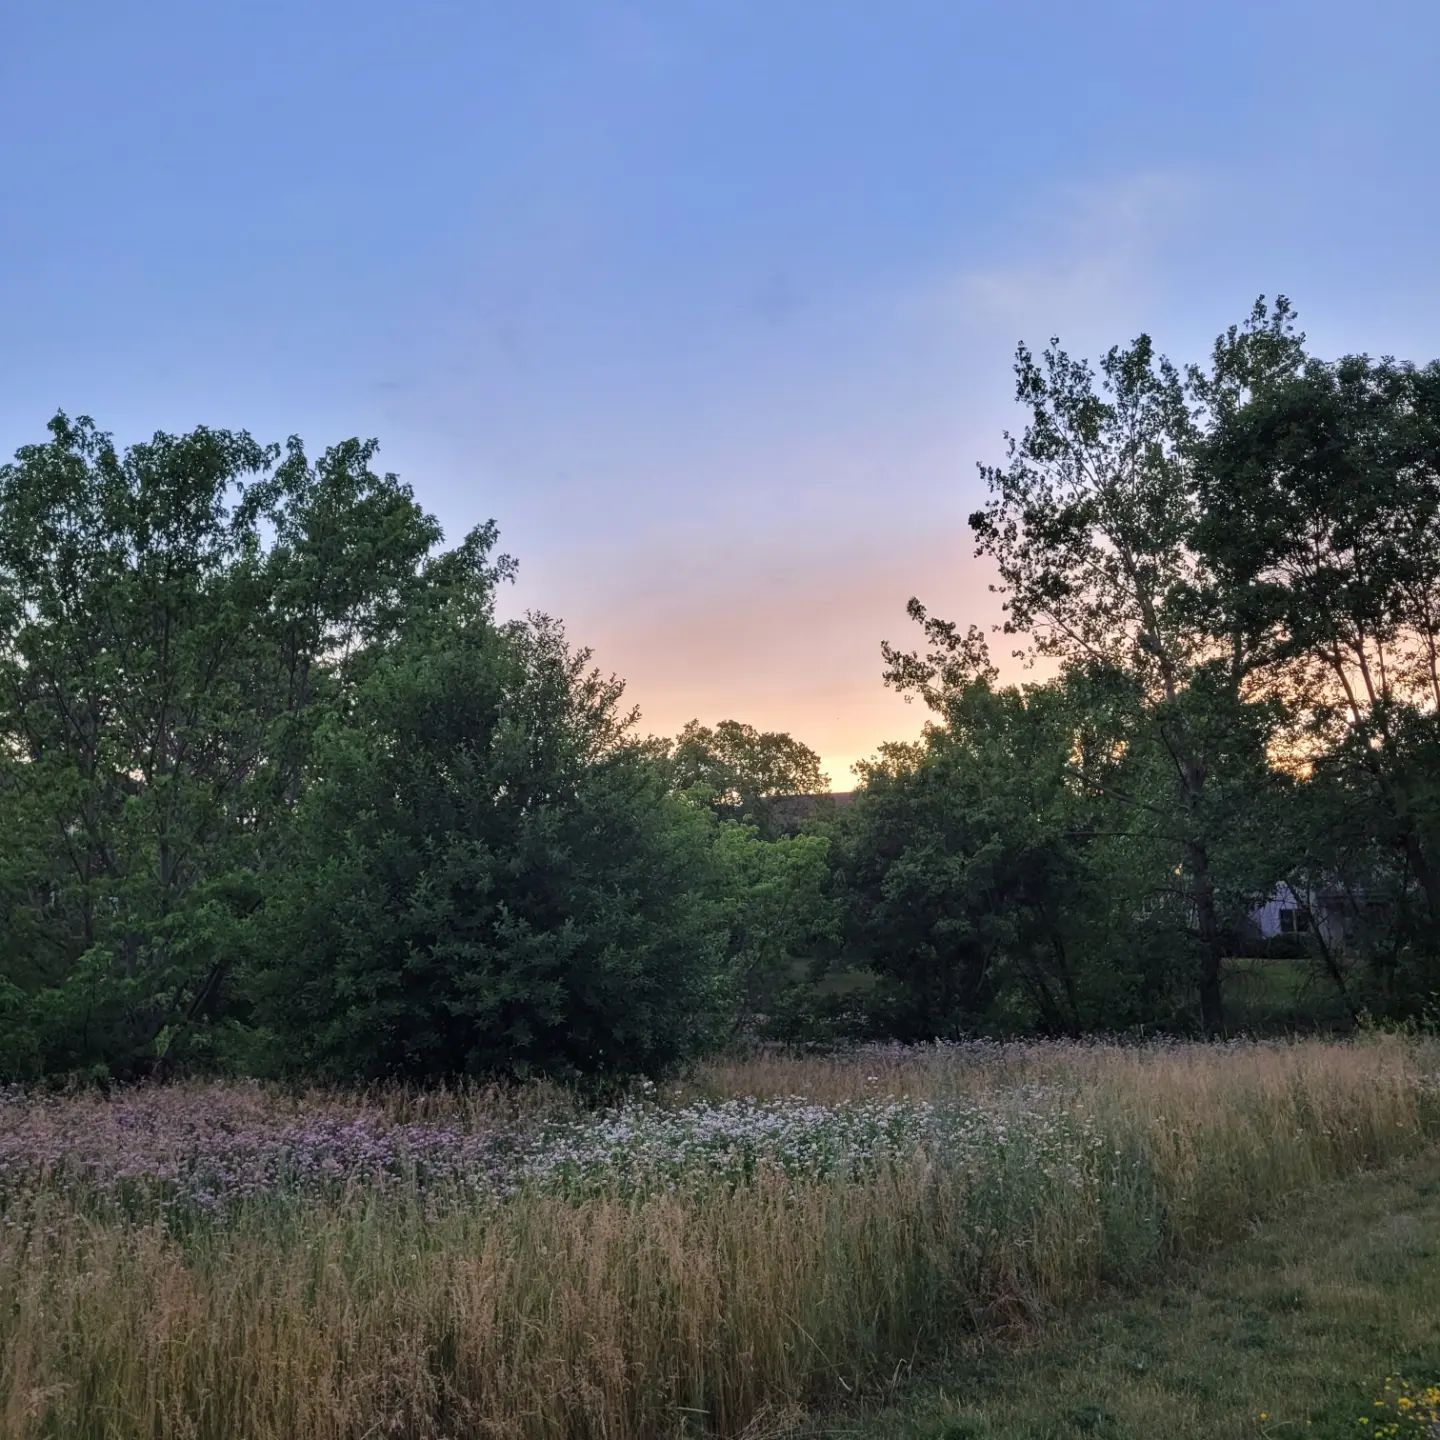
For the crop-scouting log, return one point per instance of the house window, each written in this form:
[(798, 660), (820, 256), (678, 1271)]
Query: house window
[(1294, 921)]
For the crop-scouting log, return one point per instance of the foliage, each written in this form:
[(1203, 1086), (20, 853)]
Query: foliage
[(488, 874), (782, 918), (173, 620), (1321, 504), (1091, 525), (741, 771), (281, 792), (980, 882), (269, 760)]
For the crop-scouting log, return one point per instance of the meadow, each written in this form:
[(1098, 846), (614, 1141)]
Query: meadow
[(768, 1237)]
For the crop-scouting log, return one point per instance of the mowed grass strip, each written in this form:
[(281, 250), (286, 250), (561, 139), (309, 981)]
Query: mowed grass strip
[(1291, 1332)]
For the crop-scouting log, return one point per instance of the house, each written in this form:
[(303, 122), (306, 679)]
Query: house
[(1335, 915)]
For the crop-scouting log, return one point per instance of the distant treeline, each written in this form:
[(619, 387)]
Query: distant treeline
[(279, 792)]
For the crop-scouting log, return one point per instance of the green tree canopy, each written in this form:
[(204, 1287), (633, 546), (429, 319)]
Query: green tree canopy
[(173, 620), (741, 771), (1091, 525), (992, 882), (1321, 522), (489, 874)]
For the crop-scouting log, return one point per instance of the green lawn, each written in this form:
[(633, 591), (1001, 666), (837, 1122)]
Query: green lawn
[(1267, 996), (1292, 1331)]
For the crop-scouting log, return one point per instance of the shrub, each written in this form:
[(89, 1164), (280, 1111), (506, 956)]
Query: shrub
[(489, 876)]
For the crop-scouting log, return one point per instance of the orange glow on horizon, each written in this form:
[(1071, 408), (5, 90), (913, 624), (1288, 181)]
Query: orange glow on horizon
[(794, 645)]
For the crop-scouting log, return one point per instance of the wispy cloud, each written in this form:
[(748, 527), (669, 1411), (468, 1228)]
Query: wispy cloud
[(1082, 261)]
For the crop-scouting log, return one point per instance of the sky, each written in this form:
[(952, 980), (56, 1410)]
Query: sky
[(711, 306)]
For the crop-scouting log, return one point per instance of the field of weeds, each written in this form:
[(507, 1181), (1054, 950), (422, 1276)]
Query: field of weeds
[(709, 1258)]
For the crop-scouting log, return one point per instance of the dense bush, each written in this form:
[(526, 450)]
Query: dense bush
[(489, 876)]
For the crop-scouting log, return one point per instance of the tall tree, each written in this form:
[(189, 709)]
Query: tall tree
[(1320, 498), (173, 619), (1090, 525)]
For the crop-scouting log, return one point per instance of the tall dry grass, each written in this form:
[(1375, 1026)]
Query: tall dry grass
[(708, 1310)]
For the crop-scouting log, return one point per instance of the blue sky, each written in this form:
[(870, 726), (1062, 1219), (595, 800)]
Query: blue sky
[(711, 306)]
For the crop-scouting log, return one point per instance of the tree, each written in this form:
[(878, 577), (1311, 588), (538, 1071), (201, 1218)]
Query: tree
[(489, 875), (1320, 500), (969, 871), (173, 619), (783, 921), (1090, 525), (741, 771)]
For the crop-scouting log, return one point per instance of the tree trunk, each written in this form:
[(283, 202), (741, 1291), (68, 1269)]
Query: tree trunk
[(1212, 942), (1424, 873), (1327, 957)]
